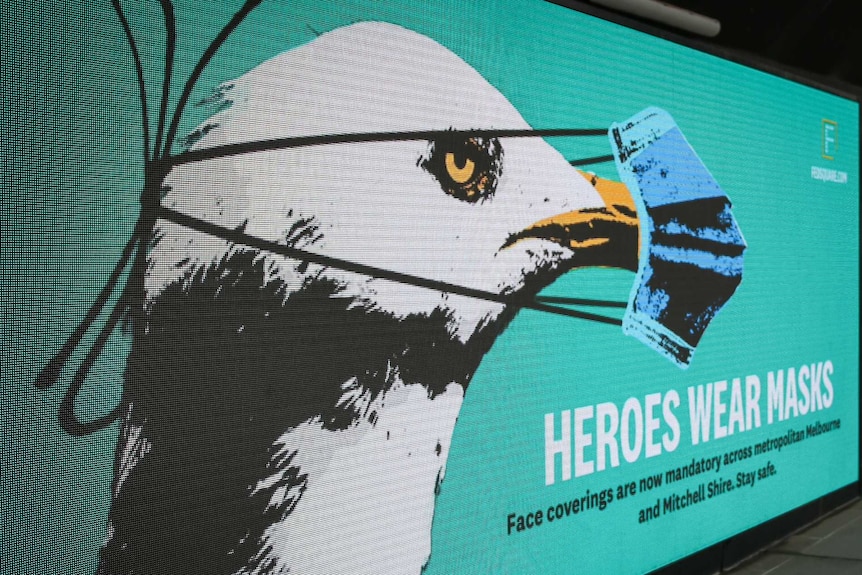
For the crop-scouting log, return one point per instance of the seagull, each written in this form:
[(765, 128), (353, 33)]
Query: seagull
[(289, 416)]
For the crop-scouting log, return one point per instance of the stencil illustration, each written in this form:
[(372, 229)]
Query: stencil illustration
[(316, 279)]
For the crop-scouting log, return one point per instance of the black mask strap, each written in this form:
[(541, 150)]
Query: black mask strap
[(237, 236)]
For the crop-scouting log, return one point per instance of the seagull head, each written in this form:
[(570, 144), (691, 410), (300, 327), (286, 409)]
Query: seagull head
[(506, 215)]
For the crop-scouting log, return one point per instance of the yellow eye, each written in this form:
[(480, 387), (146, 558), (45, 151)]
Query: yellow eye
[(467, 168), (459, 174)]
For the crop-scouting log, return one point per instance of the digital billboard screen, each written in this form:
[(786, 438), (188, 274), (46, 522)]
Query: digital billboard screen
[(271, 270)]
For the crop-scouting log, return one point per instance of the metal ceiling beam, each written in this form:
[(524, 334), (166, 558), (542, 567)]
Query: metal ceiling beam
[(667, 14)]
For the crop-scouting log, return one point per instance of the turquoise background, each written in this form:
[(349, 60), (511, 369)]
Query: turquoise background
[(72, 144)]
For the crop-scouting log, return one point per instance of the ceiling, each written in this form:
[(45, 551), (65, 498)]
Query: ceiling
[(819, 37)]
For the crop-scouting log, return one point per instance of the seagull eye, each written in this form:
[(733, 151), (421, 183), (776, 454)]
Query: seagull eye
[(466, 168), (459, 169)]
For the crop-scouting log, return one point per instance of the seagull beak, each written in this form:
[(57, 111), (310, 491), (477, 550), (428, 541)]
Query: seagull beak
[(607, 236)]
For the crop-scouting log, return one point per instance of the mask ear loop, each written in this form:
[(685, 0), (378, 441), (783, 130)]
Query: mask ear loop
[(199, 68), (154, 173), (240, 148), (238, 236), (581, 301), (68, 420), (50, 374), (593, 160)]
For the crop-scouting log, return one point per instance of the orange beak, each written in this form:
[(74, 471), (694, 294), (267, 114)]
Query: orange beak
[(606, 236)]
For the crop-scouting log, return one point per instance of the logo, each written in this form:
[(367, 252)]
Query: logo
[(828, 149), (828, 139)]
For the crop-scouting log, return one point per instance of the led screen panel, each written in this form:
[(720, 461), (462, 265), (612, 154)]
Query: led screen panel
[(606, 284)]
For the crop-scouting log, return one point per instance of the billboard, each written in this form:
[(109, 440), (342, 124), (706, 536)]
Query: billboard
[(496, 287)]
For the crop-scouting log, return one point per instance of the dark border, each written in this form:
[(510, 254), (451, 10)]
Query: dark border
[(735, 550), (748, 59)]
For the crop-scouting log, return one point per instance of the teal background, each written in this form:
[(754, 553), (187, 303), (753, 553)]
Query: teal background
[(72, 145)]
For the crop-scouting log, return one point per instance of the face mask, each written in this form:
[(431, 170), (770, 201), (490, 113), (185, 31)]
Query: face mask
[(691, 247)]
